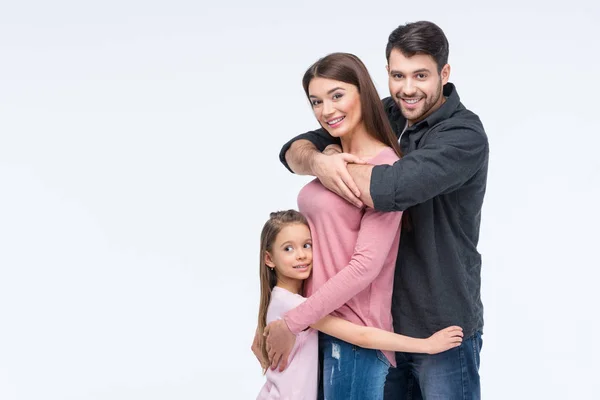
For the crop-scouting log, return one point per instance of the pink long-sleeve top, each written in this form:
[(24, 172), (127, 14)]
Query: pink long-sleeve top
[(354, 256)]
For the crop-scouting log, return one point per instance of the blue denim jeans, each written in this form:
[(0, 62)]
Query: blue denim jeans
[(451, 375), (350, 372)]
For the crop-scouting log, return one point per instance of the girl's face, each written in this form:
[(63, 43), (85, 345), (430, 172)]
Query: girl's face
[(291, 254), (336, 105)]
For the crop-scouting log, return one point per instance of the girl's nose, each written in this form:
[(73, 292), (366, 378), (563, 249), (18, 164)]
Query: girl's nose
[(301, 254)]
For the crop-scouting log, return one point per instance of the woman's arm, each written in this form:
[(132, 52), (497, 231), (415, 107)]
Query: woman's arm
[(373, 338), (378, 236)]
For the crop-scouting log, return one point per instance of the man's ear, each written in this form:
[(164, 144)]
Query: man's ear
[(445, 74)]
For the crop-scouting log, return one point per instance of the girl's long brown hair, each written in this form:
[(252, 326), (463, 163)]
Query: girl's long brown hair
[(277, 221), (348, 68)]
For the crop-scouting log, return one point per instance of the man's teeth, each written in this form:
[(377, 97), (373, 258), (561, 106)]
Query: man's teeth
[(411, 101), (335, 121)]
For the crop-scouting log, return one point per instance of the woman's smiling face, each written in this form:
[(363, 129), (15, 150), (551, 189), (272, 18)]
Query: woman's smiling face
[(336, 105)]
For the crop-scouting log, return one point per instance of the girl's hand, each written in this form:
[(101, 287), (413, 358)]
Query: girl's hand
[(444, 339)]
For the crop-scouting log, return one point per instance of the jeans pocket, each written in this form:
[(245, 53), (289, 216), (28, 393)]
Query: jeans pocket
[(383, 358)]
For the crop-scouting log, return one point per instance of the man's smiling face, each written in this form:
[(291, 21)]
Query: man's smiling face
[(415, 84)]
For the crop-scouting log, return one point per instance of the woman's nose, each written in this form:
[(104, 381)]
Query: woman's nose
[(328, 108)]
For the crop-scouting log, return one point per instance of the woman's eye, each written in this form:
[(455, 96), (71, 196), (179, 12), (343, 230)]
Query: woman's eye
[(337, 96), (315, 102)]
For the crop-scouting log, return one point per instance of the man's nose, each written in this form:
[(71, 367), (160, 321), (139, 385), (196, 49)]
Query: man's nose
[(409, 88)]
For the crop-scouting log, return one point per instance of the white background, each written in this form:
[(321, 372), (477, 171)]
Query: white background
[(138, 162)]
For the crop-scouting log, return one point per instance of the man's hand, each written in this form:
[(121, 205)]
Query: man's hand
[(280, 342), (256, 349), (331, 169)]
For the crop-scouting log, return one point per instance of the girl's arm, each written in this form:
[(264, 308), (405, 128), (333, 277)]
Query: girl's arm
[(373, 338)]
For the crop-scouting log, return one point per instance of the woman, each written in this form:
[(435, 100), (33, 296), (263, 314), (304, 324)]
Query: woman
[(355, 249)]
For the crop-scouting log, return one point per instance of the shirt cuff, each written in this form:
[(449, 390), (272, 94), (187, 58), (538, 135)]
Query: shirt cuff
[(382, 188), (295, 328)]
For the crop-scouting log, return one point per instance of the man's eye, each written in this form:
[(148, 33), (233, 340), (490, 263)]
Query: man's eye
[(421, 76), (397, 76)]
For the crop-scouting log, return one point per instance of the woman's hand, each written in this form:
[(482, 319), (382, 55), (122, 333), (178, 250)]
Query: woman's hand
[(444, 339), (256, 349), (280, 342)]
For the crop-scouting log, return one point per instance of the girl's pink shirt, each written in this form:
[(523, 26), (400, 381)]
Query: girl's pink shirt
[(354, 257), (299, 380)]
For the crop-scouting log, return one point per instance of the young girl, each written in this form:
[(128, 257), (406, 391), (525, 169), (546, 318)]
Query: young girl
[(285, 262)]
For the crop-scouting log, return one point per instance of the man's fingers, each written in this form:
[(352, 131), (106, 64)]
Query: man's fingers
[(350, 158), (349, 183), (343, 191)]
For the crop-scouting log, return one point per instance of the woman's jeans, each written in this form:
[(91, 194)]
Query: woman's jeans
[(451, 375), (350, 372)]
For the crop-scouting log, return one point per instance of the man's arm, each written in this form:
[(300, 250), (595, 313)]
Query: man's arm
[(304, 156), (319, 139), (448, 160)]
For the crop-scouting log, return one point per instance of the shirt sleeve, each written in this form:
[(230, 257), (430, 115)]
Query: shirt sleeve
[(320, 138), (377, 235), (448, 160)]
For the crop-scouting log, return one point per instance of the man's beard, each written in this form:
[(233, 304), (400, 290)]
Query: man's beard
[(428, 103)]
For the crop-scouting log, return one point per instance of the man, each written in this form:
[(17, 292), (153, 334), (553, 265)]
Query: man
[(440, 184)]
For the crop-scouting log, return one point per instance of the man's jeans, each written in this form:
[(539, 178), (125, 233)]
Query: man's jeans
[(451, 375), (350, 372)]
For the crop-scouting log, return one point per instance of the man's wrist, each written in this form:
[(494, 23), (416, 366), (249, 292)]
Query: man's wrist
[(332, 149), (313, 160)]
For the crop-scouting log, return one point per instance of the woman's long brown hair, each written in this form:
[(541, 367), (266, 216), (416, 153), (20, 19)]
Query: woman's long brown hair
[(348, 68), (277, 221)]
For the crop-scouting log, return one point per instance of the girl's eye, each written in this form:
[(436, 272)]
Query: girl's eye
[(308, 246), (288, 248)]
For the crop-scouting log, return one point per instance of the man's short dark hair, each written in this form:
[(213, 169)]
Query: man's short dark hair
[(422, 37)]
